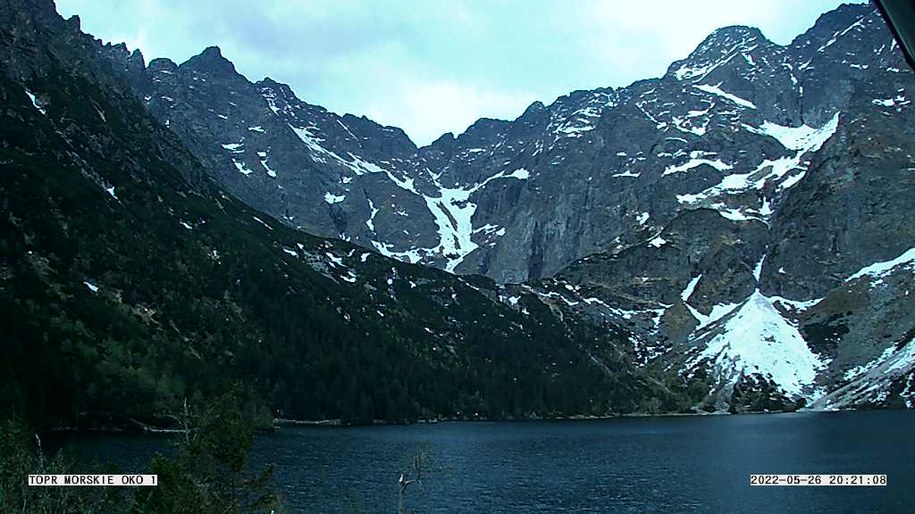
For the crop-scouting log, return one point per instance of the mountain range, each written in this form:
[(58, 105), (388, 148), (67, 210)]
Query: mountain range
[(735, 235)]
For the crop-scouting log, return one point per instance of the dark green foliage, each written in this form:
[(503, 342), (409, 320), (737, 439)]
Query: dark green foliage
[(21, 455), (754, 393), (211, 471), (184, 313), (684, 394)]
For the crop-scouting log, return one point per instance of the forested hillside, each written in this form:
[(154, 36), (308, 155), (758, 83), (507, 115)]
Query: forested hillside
[(130, 283)]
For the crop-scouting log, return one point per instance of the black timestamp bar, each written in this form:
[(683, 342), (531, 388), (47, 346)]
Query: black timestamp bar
[(865, 480)]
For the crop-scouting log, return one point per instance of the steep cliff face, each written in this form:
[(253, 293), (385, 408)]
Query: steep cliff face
[(723, 207), (730, 127), (130, 281), (743, 221), (801, 299)]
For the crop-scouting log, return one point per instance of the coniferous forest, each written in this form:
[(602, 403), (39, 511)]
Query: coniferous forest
[(131, 288), (144, 288), (131, 285)]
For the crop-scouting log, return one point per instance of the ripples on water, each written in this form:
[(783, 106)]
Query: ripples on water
[(676, 464)]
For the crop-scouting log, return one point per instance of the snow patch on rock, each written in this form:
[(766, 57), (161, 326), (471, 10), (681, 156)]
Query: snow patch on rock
[(757, 339)]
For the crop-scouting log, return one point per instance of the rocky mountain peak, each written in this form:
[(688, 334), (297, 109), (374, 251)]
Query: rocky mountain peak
[(211, 61), (440, 149), (534, 108), (603, 161), (162, 63), (445, 139), (74, 23), (132, 64), (12, 10), (137, 57), (278, 90), (720, 47), (733, 34), (483, 131), (836, 19)]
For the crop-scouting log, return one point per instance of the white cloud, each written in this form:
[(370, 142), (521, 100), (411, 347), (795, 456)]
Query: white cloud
[(648, 35), (431, 69), (426, 109)]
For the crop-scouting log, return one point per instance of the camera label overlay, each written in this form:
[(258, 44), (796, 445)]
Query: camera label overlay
[(93, 480), (864, 479)]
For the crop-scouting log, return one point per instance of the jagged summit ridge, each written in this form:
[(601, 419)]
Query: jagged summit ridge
[(656, 210), (719, 48), (618, 140)]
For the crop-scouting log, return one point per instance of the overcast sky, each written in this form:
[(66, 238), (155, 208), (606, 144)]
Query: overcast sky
[(435, 66)]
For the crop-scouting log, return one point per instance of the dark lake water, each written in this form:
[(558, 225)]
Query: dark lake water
[(676, 464)]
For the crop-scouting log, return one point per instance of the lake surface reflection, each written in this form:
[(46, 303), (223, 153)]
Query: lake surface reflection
[(670, 464)]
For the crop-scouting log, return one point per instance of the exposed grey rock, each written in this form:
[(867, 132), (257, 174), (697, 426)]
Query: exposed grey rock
[(761, 176)]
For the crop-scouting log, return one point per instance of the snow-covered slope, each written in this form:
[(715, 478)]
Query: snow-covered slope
[(756, 339), (873, 383)]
